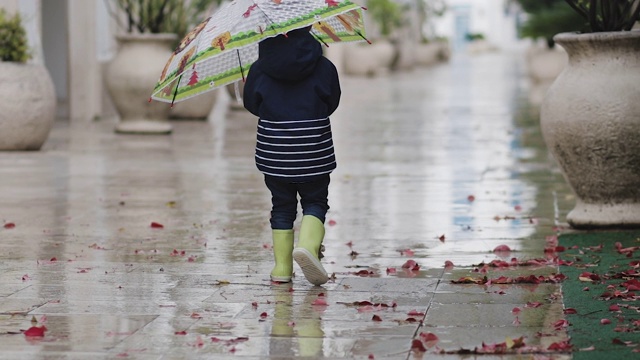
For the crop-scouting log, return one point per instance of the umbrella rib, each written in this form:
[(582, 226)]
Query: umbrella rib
[(240, 62), (271, 22), (175, 92), (319, 39)]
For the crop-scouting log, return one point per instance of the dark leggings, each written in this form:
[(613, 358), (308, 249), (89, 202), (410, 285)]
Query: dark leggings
[(284, 200)]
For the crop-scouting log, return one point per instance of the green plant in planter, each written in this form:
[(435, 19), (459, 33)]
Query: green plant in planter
[(386, 13), (547, 18), (608, 15), (13, 39)]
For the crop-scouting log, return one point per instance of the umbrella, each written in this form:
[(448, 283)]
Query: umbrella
[(220, 50)]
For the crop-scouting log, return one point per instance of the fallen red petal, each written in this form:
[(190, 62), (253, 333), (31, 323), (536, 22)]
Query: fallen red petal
[(416, 345), (183, 332), (9, 225), (605, 321), (471, 198), (502, 248), (156, 225), (441, 238), (319, 302), (35, 331), (376, 318), (332, 222)]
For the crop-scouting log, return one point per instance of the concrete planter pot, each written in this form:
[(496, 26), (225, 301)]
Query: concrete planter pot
[(28, 106), (196, 108), (590, 121), (131, 77), (369, 59), (428, 54)]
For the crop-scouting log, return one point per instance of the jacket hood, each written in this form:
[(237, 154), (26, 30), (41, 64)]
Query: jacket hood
[(292, 57)]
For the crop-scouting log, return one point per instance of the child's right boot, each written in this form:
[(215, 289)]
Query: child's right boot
[(282, 252), (307, 253)]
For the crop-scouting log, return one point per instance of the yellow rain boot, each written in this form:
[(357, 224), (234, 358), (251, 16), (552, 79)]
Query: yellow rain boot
[(282, 248), (307, 253)]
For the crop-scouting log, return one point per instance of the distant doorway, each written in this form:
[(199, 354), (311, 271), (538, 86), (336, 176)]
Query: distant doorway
[(55, 45)]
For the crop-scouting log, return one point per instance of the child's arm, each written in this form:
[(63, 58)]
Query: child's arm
[(332, 99), (250, 96)]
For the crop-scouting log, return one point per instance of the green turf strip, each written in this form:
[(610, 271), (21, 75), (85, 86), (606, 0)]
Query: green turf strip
[(585, 328)]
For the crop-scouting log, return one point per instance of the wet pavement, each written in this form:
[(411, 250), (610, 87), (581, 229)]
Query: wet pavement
[(158, 247)]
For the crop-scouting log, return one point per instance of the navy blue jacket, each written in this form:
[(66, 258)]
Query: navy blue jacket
[(293, 90)]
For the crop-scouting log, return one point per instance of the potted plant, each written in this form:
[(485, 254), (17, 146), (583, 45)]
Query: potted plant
[(430, 49), (185, 16), (544, 20), (372, 59), (590, 116), (27, 109), (143, 52)]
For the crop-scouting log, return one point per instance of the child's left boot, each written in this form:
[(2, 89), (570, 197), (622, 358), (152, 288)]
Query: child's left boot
[(307, 253), (282, 254)]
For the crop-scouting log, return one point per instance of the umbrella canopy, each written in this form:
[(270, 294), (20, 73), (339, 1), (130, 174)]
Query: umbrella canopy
[(220, 50)]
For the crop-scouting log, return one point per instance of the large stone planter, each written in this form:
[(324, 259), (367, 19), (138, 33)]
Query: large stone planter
[(369, 59), (131, 77), (28, 106), (196, 108), (590, 121)]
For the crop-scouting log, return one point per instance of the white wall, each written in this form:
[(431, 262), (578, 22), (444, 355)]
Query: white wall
[(487, 17)]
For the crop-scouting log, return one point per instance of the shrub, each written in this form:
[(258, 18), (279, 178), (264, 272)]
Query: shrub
[(13, 39)]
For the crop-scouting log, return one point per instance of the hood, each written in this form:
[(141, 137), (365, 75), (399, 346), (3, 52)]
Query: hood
[(290, 58)]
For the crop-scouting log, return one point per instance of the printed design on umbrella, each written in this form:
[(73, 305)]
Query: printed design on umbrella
[(184, 43), (224, 46), (350, 21)]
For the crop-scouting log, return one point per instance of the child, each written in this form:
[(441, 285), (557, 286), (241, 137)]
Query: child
[(293, 89)]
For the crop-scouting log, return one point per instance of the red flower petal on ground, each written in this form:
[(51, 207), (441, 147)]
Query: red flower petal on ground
[(502, 248), (349, 244), (605, 321), (254, 304), (263, 315), (614, 307), (196, 316), (332, 222), (376, 318), (35, 331), (471, 198), (416, 345), (391, 270), (411, 265), (430, 339), (319, 302), (516, 310), (533, 305), (371, 357), (183, 332), (25, 277), (9, 225), (407, 252), (448, 264), (517, 208), (415, 313), (156, 225), (560, 324), (441, 238), (560, 346)]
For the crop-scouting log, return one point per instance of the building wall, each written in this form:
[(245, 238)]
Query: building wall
[(490, 18)]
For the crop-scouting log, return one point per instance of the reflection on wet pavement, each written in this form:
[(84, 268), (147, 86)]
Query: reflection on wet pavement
[(434, 165)]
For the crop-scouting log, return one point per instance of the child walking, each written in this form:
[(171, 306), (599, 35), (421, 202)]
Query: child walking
[(293, 89)]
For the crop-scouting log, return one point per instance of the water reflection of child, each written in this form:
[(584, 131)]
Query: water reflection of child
[(293, 90)]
